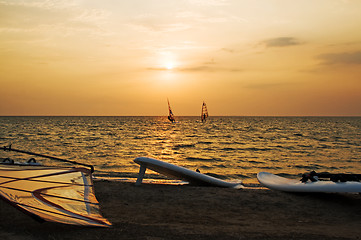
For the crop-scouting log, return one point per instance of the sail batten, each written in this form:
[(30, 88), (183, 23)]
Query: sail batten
[(43, 181), (50, 195), (41, 176)]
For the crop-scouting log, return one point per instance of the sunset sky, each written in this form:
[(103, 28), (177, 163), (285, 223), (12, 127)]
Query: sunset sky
[(242, 57)]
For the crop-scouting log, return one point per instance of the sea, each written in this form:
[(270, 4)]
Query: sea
[(230, 148)]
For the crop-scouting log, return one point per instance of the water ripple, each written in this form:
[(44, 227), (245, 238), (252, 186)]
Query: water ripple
[(228, 147)]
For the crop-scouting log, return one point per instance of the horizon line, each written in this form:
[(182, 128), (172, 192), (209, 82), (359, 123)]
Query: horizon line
[(180, 116)]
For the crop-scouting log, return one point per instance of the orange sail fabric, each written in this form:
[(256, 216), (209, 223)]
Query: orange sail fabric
[(64, 195)]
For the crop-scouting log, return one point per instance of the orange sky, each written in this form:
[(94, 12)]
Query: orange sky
[(243, 57)]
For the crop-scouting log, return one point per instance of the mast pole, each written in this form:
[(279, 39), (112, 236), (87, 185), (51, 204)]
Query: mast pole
[(9, 148)]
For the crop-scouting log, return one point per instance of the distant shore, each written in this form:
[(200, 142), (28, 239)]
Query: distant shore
[(158, 211)]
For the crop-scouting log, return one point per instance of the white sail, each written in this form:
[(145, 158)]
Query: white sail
[(204, 113), (54, 194)]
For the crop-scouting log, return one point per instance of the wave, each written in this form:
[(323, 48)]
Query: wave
[(236, 176), (298, 134), (195, 159), (232, 147), (141, 137), (205, 142), (311, 166), (216, 175), (270, 167), (184, 145), (229, 149), (255, 162), (255, 149)]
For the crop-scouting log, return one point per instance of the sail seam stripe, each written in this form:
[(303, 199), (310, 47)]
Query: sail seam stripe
[(49, 195), (34, 180), (61, 214)]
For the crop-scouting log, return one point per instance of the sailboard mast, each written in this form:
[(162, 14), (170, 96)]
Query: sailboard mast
[(204, 113), (9, 148), (171, 115)]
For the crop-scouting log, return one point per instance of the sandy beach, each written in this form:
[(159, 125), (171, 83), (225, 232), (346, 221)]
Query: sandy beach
[(154, 212)]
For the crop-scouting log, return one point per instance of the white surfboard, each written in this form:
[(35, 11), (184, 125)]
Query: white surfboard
[(181, 173), (293, 185)]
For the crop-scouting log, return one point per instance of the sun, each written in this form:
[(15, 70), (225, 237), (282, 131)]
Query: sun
[(169, 66)]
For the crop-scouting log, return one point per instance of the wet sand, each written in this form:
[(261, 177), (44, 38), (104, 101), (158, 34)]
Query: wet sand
[(156, 212)]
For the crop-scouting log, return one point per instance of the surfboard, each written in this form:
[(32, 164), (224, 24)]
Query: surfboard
[(275, 182), (177, 172)]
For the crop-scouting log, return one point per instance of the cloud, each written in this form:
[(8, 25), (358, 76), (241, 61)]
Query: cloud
[(228, 50), (206, 67), (269, 85), (182, 20), (341, 58), (209, 2), (152, 23), (159, 28), (199, 68), (54, 16), (264, 85), (196, 17), (281, 42)]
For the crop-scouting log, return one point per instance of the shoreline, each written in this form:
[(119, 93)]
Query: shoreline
[(163, 211)]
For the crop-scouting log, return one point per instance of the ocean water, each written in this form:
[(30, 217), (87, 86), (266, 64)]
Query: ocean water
[(230, 148)]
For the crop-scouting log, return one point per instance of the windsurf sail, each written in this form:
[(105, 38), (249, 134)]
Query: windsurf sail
[(64, 195), (204, 113), (171, 115), (55, 194)]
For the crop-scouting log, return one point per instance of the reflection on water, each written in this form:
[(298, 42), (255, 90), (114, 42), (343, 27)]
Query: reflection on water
[(231, 148)]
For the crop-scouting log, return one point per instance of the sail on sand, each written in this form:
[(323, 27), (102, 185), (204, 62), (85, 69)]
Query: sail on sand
[(55, 194), (171, 115), (64, 195), (204, 113)]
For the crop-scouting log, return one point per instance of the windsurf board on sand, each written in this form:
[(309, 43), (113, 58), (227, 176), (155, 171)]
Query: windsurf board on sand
[(177, 172), (275, 182)]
